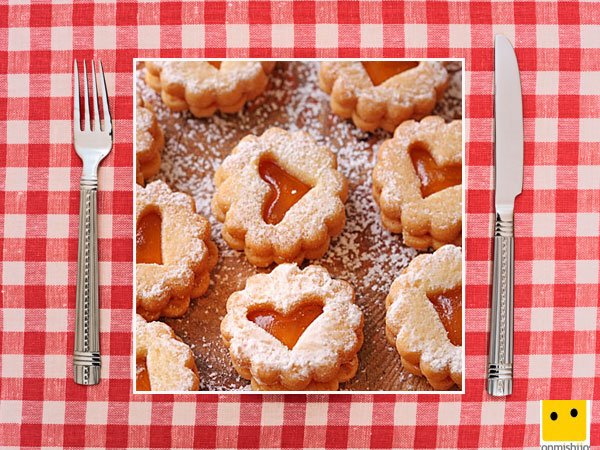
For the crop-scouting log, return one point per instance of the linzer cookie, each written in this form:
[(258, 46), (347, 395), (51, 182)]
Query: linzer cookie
[(280, 197), (383, 94), (174, 252), (204, 87), (294, 329), (424, 317), (417, 182), (163, 361), (149, 142)]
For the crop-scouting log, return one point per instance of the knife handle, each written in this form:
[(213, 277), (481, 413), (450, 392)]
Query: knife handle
[(500, 366)]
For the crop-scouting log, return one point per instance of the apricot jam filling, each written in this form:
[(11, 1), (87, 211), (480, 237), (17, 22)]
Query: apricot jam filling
[(142, 381), (380, 71), (216, 64), (433, 178), (288, 328), (148, 239), (285, 191), (448, 305)]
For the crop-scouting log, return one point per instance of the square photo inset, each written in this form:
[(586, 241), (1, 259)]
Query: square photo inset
[(298, 225)]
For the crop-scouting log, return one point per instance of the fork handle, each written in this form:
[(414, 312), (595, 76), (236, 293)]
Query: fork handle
[(500, 365), (86, 357)]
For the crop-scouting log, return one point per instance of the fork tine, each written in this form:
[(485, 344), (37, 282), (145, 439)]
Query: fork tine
[(106, 110), (76, 117), (95, 99), (86, 100)]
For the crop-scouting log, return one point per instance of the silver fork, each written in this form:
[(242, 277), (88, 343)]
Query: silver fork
[(91, 145)]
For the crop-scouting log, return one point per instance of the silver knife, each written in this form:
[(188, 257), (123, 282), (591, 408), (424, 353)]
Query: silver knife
[(508, 150)]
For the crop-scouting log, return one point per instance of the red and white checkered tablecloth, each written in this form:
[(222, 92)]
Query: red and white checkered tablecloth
[(557, 220)]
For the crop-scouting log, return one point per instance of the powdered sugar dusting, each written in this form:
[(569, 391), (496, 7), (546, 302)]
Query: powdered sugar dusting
[(155, 283), (284, 289), (365, 254), (409, 305), (157, 346)]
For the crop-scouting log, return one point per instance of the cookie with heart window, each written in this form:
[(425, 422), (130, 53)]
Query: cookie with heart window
[(149, 141), (205, 87), (280, 197), (174, 251), (294, 329), (417, 182), (163, 361), (383, 94), (424, 317)]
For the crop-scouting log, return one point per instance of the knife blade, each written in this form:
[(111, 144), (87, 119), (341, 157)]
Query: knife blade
[(508, 156)]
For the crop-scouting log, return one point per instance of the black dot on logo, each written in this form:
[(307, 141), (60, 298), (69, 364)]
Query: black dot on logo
[(553, 415), (574, 412)]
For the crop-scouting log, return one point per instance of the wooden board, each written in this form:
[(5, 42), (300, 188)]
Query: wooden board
[(365, 254)]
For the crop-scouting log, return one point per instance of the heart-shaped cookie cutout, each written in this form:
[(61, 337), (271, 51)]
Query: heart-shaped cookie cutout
[(285, 191), (148, 239), (448, 305), (433, 178), (142, 380), (381, 71), (286, 328)]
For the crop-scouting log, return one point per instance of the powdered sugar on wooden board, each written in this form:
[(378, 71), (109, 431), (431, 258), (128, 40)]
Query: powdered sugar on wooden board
[(365, 254)]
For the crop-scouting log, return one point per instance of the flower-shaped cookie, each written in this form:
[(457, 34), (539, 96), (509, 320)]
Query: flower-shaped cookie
[(204, 87), (149, 142), (163, 361), (294, 329), (417, 182), (424, 317), (174, 252), (383, 94), (281, 197)]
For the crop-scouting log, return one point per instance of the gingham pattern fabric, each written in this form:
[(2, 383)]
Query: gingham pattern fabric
[(557, 220)]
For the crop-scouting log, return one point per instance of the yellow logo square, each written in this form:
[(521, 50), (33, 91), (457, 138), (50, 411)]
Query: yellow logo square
[(564, 420)]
